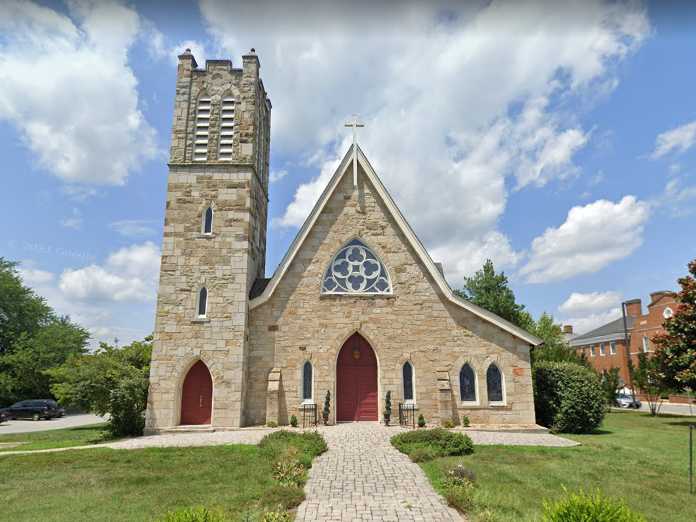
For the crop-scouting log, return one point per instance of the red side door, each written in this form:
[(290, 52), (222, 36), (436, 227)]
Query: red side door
[(197, 395), (356, 386)]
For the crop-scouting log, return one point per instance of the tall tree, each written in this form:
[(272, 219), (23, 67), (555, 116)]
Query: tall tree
[(676, 347), (21, 310), (491, 291), (554, 348)]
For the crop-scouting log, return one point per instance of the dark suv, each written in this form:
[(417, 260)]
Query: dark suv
[(35, 410)]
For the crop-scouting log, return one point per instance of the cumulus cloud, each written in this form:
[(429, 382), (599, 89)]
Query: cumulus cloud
[(34, 276), (129, 274), (66, 85), (591, 237), (679, 139), (590, 302), (586, 323), (456, 99), (678, 199)]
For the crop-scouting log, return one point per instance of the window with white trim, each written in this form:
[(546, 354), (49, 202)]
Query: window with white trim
[(592, 351), (494, 384), (602, 350), (208, 221), (646, 344), (202, 302), (200, 144), (307, 395), (467, 384), (612, 347), (226, 128), (407, 375)]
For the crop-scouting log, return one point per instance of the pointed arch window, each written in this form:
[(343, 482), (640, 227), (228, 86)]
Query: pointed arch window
[(494, 383), (407, 373), (208, 221), (356, 269), (467, 384), (307, 382), (203, 302)]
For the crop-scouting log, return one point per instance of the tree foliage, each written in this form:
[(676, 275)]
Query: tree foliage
[(111, 381), (491, 291), (554, 347), (648, 378), (611, 382), (676, 347)]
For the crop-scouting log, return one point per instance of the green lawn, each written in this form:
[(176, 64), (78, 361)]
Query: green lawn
[(113, 485), (64, 438), (641, 459)]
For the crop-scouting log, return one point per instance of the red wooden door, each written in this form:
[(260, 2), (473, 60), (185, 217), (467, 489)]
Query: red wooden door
[(197, 395), (356, 381)]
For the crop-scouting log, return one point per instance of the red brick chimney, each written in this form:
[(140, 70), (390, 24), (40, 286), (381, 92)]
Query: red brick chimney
[(634, 308), (656, 296)]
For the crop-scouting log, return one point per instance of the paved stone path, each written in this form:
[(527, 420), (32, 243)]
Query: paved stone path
[(362, 477)]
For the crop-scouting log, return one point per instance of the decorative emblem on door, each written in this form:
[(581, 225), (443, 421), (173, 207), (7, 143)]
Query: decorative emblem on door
[(356, 353)]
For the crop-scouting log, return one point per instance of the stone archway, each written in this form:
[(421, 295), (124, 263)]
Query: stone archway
[(197, 396), (356, 381)]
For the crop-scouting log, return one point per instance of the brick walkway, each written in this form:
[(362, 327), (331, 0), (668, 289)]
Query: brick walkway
[(362, 477)]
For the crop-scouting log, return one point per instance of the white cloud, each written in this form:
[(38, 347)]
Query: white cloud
[(33, 276), (679, 139), (590, 302), (453, 104), (129, 274), (591, 237), (587, 323), (678, 199), (277, 175), (134, 228), (65, 84), (74, 221)]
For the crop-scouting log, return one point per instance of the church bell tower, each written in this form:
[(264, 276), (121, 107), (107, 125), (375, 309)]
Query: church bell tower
[(214, 244)]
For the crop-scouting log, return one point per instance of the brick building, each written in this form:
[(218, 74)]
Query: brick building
[(605, 347), (356, 307)]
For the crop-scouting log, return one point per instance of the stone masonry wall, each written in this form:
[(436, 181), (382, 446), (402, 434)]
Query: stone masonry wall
[(416, 324)]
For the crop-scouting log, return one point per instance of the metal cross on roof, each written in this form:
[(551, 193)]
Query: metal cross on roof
[(355, 123)]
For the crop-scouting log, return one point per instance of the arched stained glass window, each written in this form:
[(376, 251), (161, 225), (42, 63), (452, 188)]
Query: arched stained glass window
[(407, 372), (494, 381), (467, 384), (307, 381), (202, 302), (356, 269), (208, 221)]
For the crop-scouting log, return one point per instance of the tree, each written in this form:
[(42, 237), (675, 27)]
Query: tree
[(491, 291), (610, 383), (21, 310), (554, 347), (676, 347), (24, 367), (111, 381), (648, 378)]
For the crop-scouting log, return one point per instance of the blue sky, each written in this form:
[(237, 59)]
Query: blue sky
[(560, 142)]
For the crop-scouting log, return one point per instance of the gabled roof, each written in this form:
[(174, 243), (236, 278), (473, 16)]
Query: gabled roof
[(612, 331), (407, 231)]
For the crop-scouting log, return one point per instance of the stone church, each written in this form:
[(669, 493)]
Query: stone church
[(356, 307)]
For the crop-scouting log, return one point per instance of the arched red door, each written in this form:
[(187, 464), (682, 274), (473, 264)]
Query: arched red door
[(197, 395), (356, 381)]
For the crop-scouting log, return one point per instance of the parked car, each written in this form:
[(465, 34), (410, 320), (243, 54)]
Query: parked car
[(33, 409), (627, 401), (3, 417)]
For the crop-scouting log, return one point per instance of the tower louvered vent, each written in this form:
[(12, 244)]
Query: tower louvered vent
[(226, 129), (200, 146)]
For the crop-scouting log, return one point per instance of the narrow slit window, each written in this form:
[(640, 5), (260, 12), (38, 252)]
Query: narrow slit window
[(208, 221), (307, 381), (226, 128), (202, 302), (494, 381), (467, 384), (407, 371), (200, 143)]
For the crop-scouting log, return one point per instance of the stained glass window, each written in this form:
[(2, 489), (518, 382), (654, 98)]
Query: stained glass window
[(356, 269), (494, 380), (307, 381), (467, 384), (408, 381)]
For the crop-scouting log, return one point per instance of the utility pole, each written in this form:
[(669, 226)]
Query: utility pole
[(628, 350)]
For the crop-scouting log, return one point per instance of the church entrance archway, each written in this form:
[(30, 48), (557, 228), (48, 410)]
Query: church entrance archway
[(356, 381), (197, 395)]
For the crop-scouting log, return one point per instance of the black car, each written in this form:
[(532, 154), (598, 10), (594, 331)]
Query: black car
[(33, 409)]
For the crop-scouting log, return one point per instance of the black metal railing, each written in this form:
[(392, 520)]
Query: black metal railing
[(309, 415), (407, 415)]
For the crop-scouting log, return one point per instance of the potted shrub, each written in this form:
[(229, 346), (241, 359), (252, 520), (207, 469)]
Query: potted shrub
[(327, 408), (387, 409)]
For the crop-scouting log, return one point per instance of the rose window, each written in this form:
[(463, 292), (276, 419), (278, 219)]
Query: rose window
[(355, 269)]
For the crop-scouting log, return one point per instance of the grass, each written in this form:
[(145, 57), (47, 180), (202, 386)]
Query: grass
[(642, 459), (62, 438), (115, 485)]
